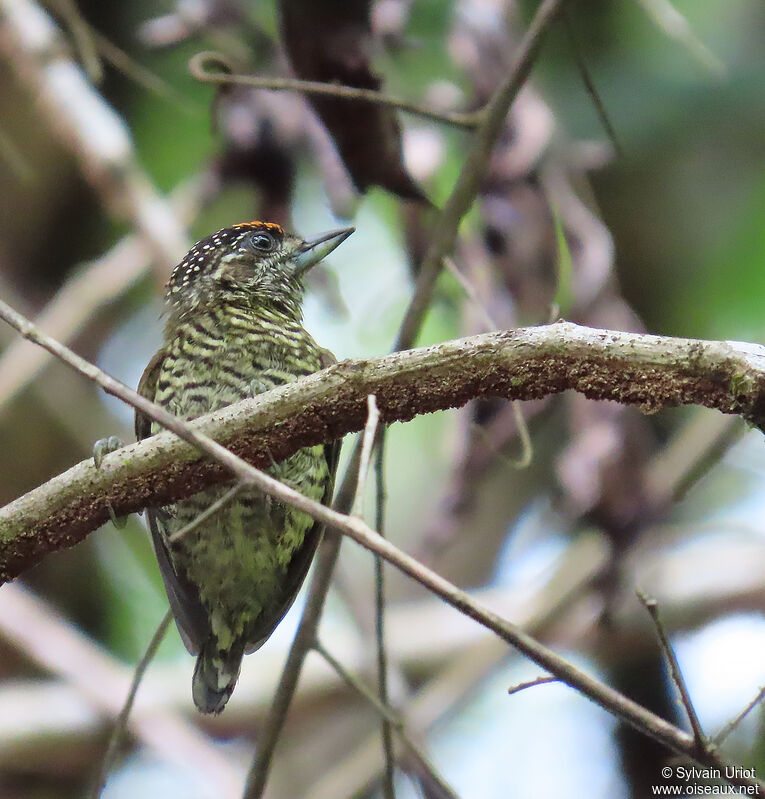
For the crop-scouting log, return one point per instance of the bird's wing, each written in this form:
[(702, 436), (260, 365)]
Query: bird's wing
[(147, 387), (301, 560), (190, 617)]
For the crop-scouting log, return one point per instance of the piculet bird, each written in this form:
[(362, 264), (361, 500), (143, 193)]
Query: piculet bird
[(234, 329)]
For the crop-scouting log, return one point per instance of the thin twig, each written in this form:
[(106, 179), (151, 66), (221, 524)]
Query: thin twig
[(431, 784), (350, 679), (652, 606), (209, 511), (199, 67), (522, 686), (389, 715), (120, 723), (142, 75), (82, 36), (367, 442), (91, 43), (719, 739), (382, 657), (471, 292), (589, 84), (306, 634), (304, 641), (527, 448), (523, 461)]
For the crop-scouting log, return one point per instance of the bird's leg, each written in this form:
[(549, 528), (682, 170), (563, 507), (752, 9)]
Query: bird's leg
[(105, 446), (118, 521), (260, 384), (101, 448)]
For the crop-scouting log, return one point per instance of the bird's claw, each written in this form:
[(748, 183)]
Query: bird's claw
[(103, 447), (118, 521)]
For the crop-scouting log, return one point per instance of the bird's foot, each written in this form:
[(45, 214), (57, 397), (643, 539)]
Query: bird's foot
[(101, 448), (118, 521)]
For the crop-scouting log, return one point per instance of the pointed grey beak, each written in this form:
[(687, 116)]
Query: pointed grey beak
[(320, 247)]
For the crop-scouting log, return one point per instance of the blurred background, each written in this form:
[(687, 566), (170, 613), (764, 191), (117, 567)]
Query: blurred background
[(654, 227)]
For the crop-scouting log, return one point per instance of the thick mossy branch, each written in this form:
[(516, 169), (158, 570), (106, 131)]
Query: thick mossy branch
[(648, 371)]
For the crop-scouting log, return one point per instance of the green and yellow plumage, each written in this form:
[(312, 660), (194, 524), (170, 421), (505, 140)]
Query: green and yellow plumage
[(234, 330)]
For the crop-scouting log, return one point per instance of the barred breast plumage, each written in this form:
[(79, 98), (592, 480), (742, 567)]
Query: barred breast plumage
[(235, 331)]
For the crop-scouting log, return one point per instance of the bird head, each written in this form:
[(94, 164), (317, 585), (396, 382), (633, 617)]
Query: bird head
[(251, 263)]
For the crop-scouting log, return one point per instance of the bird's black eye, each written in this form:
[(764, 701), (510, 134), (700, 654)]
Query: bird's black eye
[(262, 242)]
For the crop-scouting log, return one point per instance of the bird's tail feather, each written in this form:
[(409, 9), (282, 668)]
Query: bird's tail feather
[(215, 676)]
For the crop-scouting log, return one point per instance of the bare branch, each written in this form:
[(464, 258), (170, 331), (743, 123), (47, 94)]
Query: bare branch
[(199, 67), (120, 723), (82, 37), (367, 443), (394, 720), (733, 723), (382, 653), (589, 84), (649, 371), (522, 686), (209, 511), (652, 606)]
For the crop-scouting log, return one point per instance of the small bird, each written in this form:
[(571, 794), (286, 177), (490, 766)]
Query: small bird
[(234, 330)]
